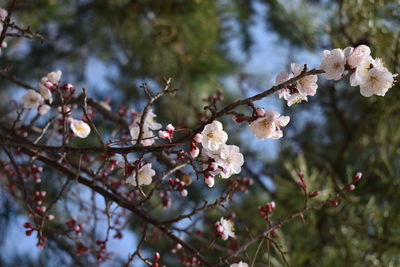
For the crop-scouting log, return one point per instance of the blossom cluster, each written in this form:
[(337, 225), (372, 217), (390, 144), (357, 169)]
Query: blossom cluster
[(368, 73), (220, 158), (46, 87)]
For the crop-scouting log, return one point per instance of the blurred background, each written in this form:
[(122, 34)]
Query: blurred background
[(238, 46)]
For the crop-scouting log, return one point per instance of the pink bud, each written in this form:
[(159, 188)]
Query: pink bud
[(220, 229), (157, 256), (184, 193), (260, 112), (209, 180), (4, 45), (170, 128), (198, 138), (357, 177), (301, 184), (194, 152), (351, 187), (163, 135), (50, 217)]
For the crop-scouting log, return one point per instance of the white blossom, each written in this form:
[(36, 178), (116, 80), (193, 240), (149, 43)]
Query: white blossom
[(228, 228), (150, 121), (145, 174), (379, 81), (148, 137), (45, 92), (239, 264), (269, 125), (333, 64), (230, 160), (213, 136), (54, 77), (31, 99), (357, 56), (360, 74), (308, 84), (80, 128)]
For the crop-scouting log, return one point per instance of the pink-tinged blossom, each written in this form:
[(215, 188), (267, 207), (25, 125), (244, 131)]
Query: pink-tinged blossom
[(357, 56), (213, 136), (333, 64), (80, 128), (307, 85), (31, 99), (239, 264), (230, 160), (145, 174), (269, 125), (379, 81), (168, 133)]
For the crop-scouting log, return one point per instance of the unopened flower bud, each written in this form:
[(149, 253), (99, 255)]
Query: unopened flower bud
[(198, 138), (170, 128), (209, 180), (351, 187), (194, 151), (260, 112), (184, 193), (357, 177)]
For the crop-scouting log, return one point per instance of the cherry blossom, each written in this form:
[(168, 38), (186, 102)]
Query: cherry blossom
[(150, 121), (333, 64), (360, 74), (239, 264), (54, 77), (290, 94), (213, 136), (45, 92), (379, 81), (357, 56), (225, 228), (31, 99), (307, 85), (230, 160), (145, 174), (269, 125), (80, 128), (148, 137)]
